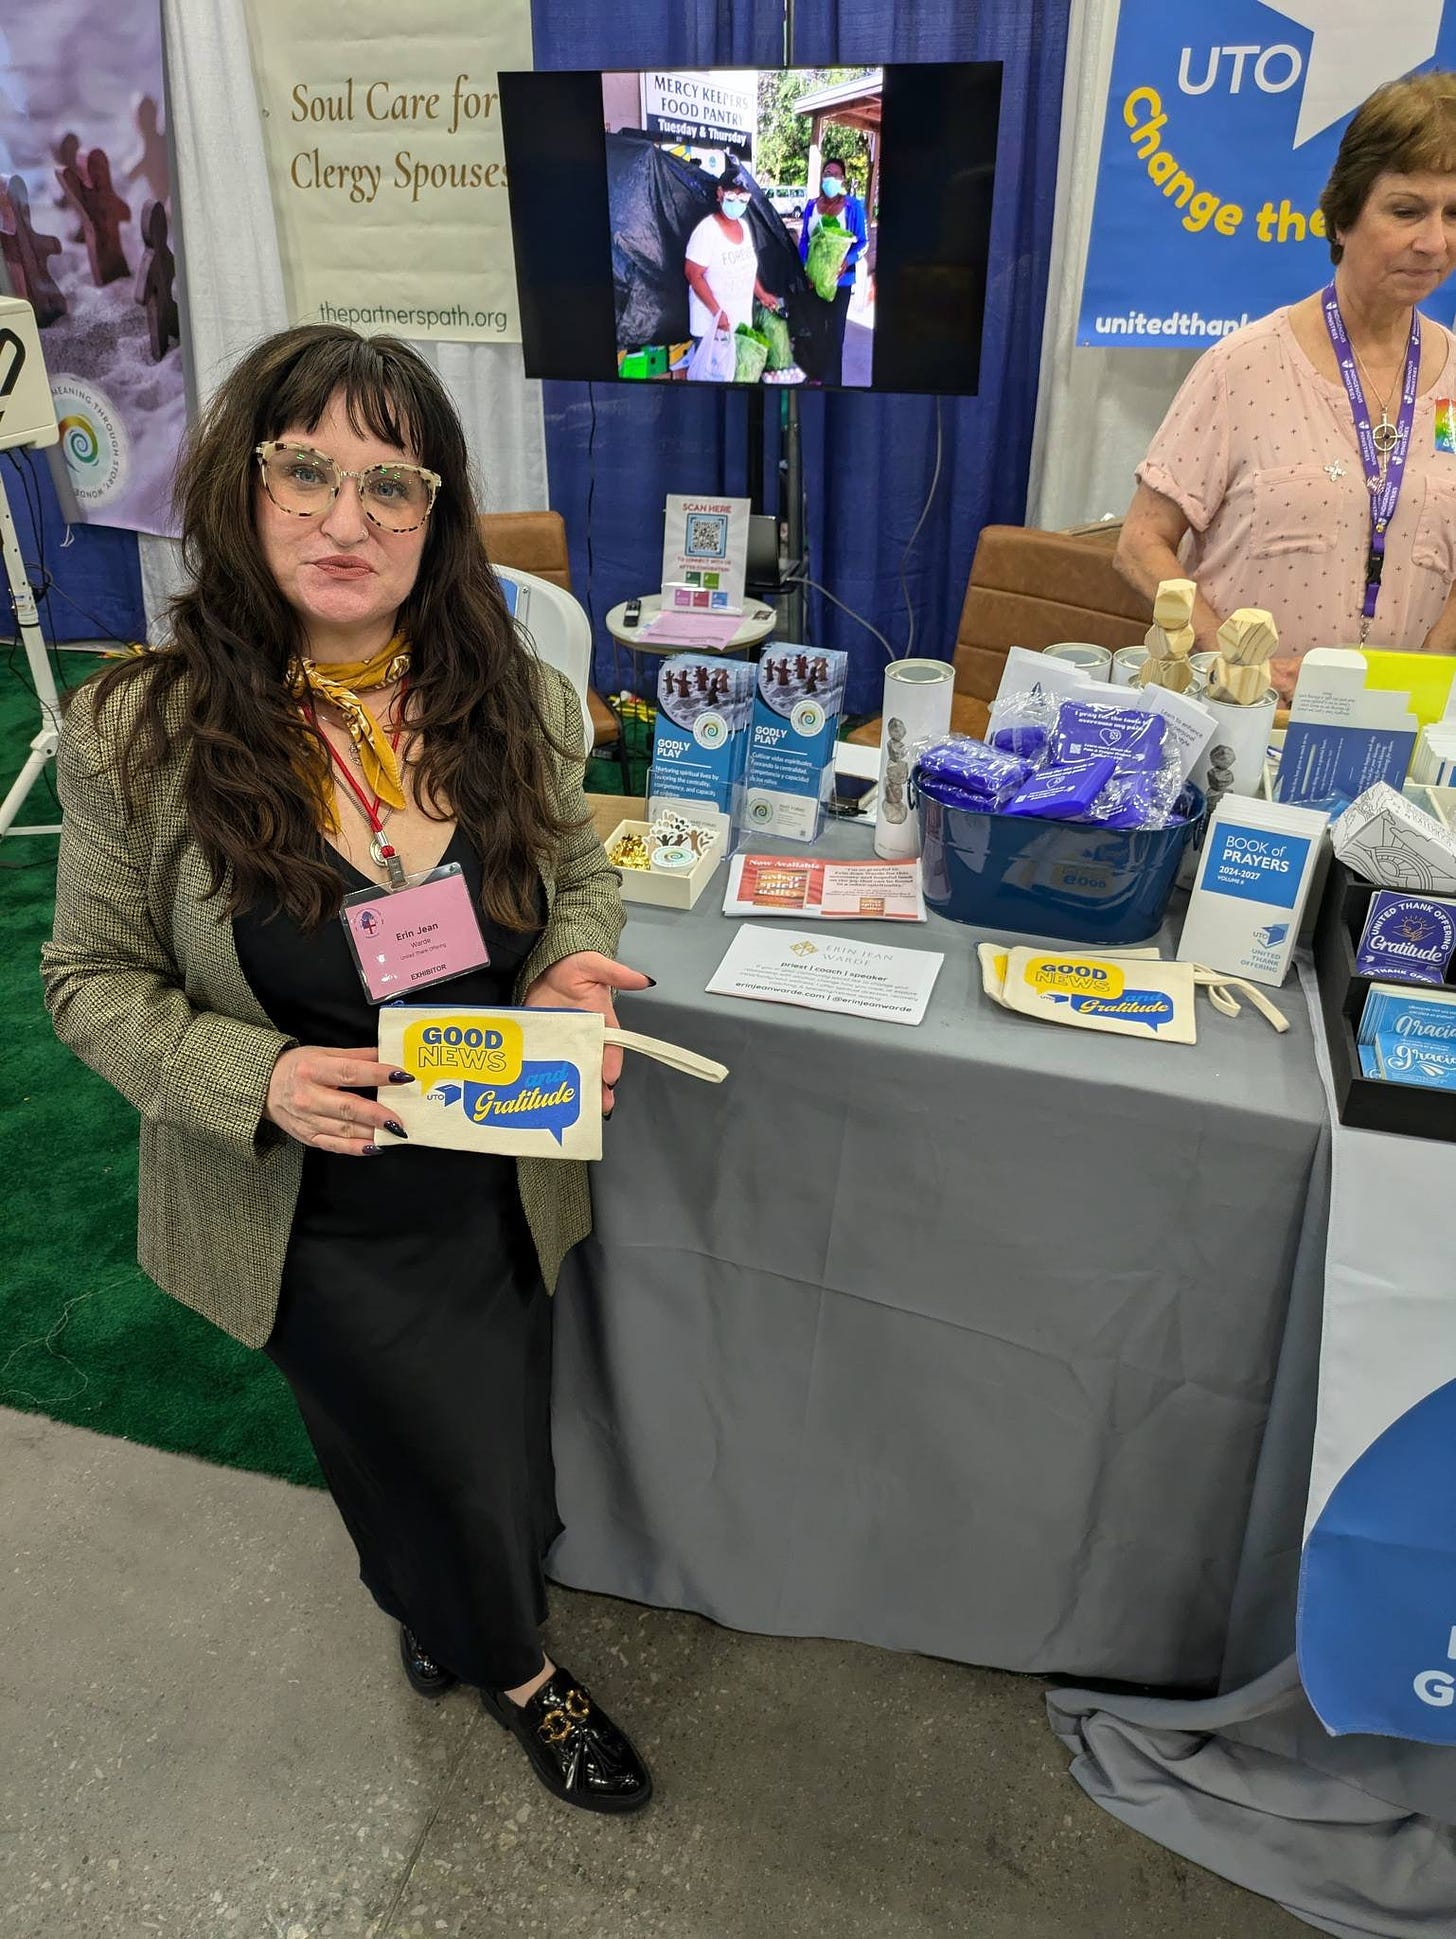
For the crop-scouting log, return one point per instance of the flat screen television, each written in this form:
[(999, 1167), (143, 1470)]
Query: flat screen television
[(669, 225)]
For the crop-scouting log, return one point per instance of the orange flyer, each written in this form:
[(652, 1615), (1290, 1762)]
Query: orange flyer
[(792, 885)]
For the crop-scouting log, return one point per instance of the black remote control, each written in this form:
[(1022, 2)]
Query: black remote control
[(633, 612)]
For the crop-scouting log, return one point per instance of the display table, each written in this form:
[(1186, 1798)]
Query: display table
[(957, 1338)]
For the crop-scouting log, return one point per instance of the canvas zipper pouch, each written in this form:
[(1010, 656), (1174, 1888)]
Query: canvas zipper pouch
[(524, 1083)]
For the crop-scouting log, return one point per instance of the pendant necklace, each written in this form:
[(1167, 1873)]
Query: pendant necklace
[(1384, 433), (381, 850), (376, 840)]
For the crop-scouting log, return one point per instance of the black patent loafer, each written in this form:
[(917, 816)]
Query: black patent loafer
[(578, 1752), (424, 1673)]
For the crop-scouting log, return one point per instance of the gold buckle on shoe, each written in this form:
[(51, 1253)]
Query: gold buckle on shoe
[(559, 1722)]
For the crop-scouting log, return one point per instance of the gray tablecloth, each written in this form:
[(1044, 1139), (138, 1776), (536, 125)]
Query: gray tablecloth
[(957, 1338)]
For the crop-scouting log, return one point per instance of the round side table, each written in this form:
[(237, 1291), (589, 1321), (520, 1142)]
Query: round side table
[(759, 620)]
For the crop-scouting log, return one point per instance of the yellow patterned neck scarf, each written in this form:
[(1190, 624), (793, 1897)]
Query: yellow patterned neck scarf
[(341, 684)]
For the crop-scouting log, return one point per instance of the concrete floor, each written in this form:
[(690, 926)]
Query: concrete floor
[(206, 1736)]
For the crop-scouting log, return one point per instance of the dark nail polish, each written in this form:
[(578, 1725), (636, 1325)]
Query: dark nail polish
[(400, 1077), (370, 1151), (652, 982), (398, 1129), (607, 1115)]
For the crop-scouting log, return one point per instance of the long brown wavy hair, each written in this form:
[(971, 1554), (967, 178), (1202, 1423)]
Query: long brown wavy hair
[(216, 692)]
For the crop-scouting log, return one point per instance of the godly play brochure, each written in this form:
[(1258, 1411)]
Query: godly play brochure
[(705, 549), (827, 973), (790, 885)]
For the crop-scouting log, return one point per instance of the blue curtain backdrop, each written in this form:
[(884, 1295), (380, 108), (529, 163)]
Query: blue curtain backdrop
[(869, 460), (615, 451), (96, 580)]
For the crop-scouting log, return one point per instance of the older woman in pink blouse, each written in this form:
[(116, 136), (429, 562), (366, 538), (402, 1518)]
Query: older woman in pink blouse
[(1306, 465)]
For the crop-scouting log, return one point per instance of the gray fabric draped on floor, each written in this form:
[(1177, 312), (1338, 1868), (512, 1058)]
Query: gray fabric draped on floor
[(1354, 1835)]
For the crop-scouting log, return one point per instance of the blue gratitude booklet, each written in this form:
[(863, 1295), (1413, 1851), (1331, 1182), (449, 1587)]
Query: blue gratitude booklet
[(1427, 1018), (1404, 1060)]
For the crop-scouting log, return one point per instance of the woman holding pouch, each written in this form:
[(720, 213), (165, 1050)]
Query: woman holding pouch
[(1307, 465), (344, 702)]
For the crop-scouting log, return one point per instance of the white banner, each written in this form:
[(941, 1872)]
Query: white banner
[(382, 130), (1377, 1596)]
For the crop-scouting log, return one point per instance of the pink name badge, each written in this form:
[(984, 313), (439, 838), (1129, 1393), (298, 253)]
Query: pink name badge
[(409, 939)]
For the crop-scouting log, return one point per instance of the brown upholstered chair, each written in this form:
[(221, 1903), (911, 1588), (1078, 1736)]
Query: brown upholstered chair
[(535, 542), (1032, 588)]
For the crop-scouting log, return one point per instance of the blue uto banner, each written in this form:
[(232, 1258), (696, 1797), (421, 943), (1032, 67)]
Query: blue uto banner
[(1223, 121)]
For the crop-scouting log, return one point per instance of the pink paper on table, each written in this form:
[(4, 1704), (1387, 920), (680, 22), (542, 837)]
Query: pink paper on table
[(693, 629)]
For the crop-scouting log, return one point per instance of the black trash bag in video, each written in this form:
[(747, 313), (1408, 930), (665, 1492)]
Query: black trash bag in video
[(656, 202)]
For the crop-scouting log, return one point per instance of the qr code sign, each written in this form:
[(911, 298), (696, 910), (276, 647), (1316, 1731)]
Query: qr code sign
[(707, 536)]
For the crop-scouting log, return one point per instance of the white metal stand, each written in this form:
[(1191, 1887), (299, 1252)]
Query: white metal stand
[(43, 747)]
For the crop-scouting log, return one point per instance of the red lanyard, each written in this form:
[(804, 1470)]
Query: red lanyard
[(388, 854)]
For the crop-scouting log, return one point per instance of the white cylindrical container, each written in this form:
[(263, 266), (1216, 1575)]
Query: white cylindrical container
[(1095, 661), (1233, 762), (918, 695), (1127, 663)]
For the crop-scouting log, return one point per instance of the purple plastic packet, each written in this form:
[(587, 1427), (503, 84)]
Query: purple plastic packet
[(1088, 729), (970, 768), (946, 795), (1062, 794), (1026, 740)]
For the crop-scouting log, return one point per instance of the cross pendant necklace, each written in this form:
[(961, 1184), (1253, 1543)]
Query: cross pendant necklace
[(1384, 434)]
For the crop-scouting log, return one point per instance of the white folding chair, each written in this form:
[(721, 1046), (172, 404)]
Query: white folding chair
[(557, 626)]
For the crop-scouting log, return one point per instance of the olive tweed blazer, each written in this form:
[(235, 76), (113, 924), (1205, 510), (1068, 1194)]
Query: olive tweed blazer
[(143, 982)]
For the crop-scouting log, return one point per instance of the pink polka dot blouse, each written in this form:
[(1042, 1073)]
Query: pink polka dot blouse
[(1258, 452)]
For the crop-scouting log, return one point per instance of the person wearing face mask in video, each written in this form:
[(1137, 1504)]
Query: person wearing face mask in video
[(722, 266), (834, 202)]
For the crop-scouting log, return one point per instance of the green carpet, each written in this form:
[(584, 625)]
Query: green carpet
[(84, 1335)]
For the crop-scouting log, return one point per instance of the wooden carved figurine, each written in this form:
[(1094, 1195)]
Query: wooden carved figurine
[(87, 183), (27, 253), (155, 283)]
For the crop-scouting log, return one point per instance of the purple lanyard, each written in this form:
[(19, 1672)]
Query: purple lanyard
[(1384, 492)]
